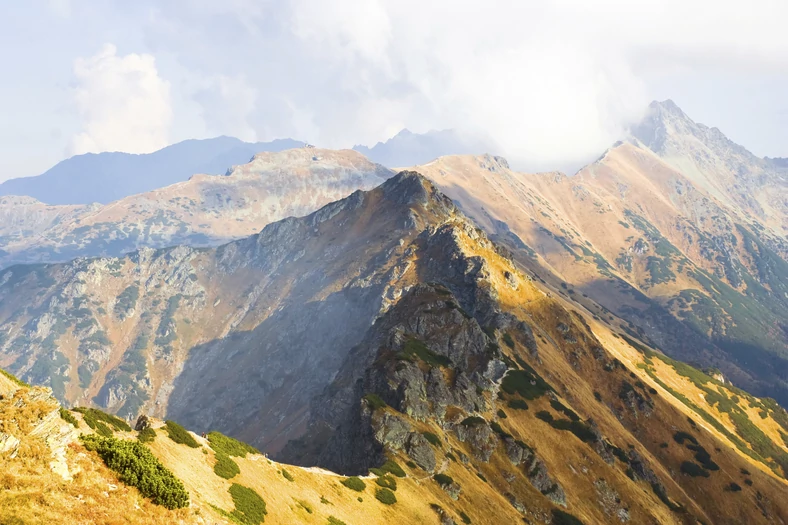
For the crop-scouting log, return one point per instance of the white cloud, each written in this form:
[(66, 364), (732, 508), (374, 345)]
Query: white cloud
[(122, 102), (226, 104), (551, 82)]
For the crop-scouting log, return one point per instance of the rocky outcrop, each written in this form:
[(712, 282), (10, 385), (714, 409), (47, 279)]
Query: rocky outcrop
[(421, 452)]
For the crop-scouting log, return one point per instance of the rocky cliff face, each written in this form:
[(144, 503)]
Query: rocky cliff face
[(206, 210), (270, 317)]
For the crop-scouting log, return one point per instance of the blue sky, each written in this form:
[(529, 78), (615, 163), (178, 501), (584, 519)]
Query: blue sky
[(550, 83)]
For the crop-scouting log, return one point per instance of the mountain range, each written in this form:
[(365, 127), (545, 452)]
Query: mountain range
[(518, 341)]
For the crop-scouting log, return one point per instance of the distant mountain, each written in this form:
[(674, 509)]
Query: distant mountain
[(408, 149), (675, 240), (744, 182), (206, 210), (107, 177)]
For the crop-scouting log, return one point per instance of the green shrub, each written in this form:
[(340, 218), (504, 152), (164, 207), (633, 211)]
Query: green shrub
[(66, 416), (501, 414), (387, 482), (249, 506), (519, 381), (374, 401), (507, 339), (392, 467), (499, 430), (98, 421), (465, 518), (225, 467), (229, 446), (517, 404), (180, 435), (354, 483), (287, 475), (385, 496), (324, 501), (146, 435), (432, 438), (734, 487), (411, 465), (694, 470), (443, 479), (335, 521), (544, 415), (564, 518), (680, 437), (13, 378), (138, 467), (566, 411), (481, 477)]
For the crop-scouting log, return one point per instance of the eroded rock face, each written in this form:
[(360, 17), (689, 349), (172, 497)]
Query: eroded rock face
[(480, 437), (421, 452)]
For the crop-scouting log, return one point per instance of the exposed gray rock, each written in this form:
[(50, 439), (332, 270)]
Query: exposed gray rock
[(143, 422), (420, 451), (390, 430), (480, 437)]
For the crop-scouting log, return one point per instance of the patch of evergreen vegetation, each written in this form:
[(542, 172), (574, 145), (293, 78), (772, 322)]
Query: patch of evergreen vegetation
[(180, 435), (385, 496), (389, 467), (517, 404), (561, 517), (387, 482), (415, 349), (694, 470), (465, 518), (558, 407), (229, 446), (733, 487), (411, 465), (287, 475), (99, 421), (501, 414), (13, 378), (354, 483), (225, 467), (433, 439), (680, 436), (305, 505), (66, 416), (146, 435), (335, 521), (507, 339), (443, 479), (481, 477), (499, 430), (526, 382), (374, 401), (249, 506), (138, 467)]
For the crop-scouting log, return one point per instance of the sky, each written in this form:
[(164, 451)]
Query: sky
[(549, 83)]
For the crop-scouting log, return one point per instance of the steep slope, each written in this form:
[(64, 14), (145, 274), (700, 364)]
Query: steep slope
[(715, 164), (706, 283), (408, 149), (511, 401), (106, 177), (203, 211)]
